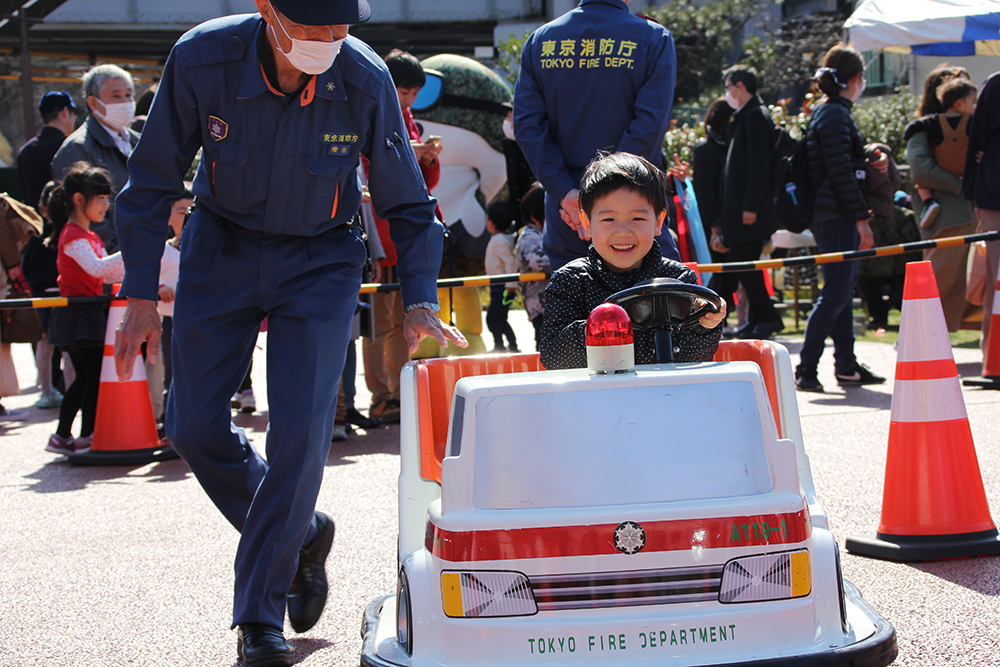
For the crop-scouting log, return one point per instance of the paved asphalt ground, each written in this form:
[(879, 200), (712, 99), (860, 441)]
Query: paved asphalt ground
[(133, 566)]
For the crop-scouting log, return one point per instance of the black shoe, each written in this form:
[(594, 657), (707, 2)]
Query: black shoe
[(260, 645), (858, 376), (357, 419), (765, 330), (307, 596), (807, 380)]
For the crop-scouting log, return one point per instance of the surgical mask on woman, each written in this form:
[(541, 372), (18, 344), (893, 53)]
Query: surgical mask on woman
[(308, 56), (116, 115)]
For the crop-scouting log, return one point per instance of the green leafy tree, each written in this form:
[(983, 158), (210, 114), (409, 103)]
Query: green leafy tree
[(883, 119), (508, 60), (705, 36)]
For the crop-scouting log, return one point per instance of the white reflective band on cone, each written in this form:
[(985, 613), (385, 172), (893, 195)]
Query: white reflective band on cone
[(925, 316), (109, 374), (927, 400), (115, 315)]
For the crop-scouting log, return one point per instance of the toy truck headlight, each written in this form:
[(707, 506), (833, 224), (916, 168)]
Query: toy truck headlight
[(766, 577), (486, 594)]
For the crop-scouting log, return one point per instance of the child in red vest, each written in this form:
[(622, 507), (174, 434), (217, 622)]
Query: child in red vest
[(84, 266)]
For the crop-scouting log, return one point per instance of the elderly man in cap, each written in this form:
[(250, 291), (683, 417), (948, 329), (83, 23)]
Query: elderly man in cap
[(105, 140), (34, 160), (283, 104)]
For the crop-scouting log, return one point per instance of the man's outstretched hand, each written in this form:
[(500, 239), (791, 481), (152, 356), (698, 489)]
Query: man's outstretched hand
[(141, 324), (421, 322)]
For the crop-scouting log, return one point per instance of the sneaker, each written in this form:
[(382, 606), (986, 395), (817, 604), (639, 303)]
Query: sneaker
[(53, 400), (7, 414), (359, 420), (513, 349), (60, 445), (339, 432), (82, 445), (806, 380), (387, 411), (244, 402), (931, 211), (857, 376)]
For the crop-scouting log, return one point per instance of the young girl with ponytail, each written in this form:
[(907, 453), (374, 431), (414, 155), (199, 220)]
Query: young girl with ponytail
[(84, 266)]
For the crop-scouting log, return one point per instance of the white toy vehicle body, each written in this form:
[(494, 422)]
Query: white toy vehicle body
[(654, 516)]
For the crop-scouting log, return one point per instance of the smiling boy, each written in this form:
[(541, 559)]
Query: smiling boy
[(623, 205)]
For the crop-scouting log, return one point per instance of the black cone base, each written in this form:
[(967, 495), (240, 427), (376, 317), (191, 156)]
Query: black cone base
[(988, 382), (915, 548), (123, 457)]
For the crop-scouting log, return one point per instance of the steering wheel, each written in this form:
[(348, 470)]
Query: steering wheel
[(664, 306)]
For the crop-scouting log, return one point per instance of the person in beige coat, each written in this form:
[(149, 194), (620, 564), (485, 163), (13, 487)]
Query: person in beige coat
[(957, 218)]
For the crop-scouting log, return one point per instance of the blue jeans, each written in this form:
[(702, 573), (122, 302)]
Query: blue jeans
[(832, 316)]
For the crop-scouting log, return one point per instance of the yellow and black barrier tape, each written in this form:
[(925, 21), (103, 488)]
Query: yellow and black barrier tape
[(482, 281), (472, 281), (831, 257)]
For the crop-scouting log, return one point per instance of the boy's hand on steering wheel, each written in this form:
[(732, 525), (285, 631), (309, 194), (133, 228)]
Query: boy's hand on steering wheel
[(710, 320)]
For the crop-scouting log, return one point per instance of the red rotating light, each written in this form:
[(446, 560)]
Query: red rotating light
[(608, 324)]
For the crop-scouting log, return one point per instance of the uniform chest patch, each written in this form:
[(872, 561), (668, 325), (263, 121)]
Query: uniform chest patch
[(218, 129), (338, 144)]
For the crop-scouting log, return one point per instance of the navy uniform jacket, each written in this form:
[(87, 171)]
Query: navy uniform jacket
[(596, 78), (271, 164)]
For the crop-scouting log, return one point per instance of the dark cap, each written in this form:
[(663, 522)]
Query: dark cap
[(55, 100), (324, 12)]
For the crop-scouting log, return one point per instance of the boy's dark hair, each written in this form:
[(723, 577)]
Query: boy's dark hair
[(501, 214), (953, 90), (742, 74), (187, 194), (623, 171), (83, 178), (533, 203), (405, 70)]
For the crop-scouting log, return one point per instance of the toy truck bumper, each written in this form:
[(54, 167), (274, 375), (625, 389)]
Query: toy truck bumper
[(380, 648)]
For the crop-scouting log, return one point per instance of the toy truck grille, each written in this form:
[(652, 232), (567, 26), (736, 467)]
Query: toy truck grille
[(626, 589)]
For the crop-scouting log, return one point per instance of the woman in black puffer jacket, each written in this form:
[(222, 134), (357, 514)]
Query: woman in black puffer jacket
[(840, 218)]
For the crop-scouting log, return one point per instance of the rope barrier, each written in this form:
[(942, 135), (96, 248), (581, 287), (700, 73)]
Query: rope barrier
[(481, 281)]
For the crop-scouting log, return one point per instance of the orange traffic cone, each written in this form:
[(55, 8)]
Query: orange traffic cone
[(991, 364), (933, 503), (125, 430)]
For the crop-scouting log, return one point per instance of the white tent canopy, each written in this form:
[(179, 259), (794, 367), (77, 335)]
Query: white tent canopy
[(927, 27)]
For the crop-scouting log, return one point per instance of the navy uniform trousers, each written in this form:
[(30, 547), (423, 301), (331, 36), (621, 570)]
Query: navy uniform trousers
[(307, 287)]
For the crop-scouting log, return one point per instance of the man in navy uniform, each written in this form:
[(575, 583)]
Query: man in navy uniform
[(282, 104), (596, 78)]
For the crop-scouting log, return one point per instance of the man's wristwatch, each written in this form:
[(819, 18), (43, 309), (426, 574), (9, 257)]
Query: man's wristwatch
[(429, 305)]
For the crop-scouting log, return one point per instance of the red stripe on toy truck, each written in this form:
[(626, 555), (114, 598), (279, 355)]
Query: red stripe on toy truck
[(627, 537)]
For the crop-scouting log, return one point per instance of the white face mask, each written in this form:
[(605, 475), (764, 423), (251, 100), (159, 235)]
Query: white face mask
[(117, 115), (862, 84), (732, 101), (309, 56), (508, 128)]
